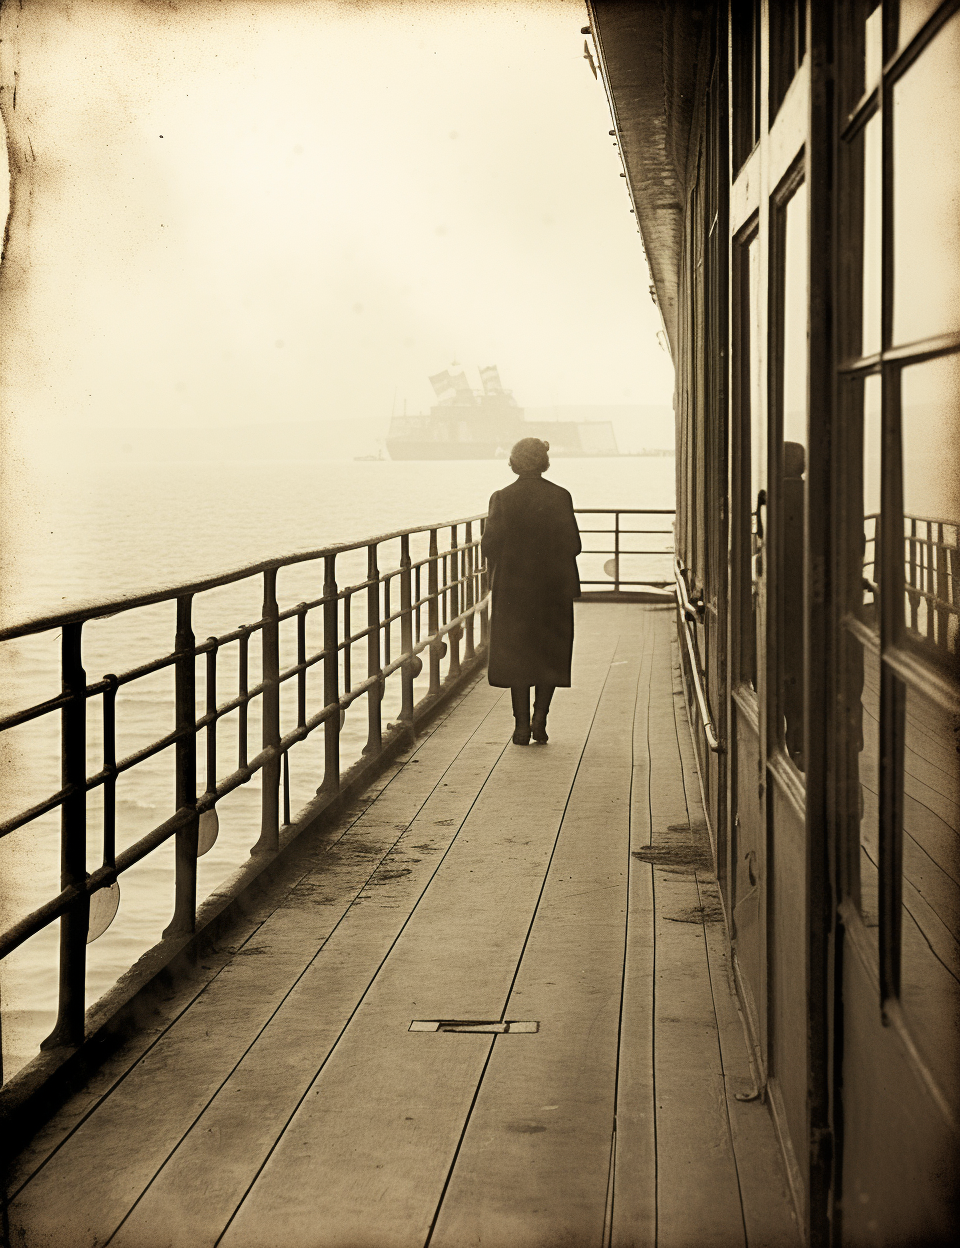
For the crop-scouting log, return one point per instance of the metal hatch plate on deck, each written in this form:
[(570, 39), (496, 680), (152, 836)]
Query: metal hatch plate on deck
[(475, 1026)]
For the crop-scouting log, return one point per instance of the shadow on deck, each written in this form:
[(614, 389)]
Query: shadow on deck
[(289, 1103)]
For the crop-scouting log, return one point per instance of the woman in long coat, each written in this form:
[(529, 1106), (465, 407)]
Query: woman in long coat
[(531, 543)]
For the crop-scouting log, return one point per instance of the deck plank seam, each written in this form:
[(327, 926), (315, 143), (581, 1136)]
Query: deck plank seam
[(653, 977), (684, 771), (506, 1007), (380, 965), (254, 930), (612, 1179)]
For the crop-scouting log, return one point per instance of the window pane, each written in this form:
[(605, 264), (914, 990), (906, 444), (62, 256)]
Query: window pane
[(869, 775), (758, 459), (930, 914), (871, 496), (913, 13), (926, 192), (793, 466), (930, 433), (795, 320), (872, 237), (873, 47)]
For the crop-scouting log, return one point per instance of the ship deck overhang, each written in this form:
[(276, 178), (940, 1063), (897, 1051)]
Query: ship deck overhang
[(649, 54)]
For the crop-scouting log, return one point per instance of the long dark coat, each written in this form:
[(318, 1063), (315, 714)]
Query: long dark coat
[(531, 543)]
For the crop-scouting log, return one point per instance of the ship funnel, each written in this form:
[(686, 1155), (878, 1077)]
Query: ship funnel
[(442, 382), (490, 379)]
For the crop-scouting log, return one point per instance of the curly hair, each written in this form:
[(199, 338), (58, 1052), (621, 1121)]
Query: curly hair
[(530, 455)]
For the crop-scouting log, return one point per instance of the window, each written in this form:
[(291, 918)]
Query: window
[(751, 463), (899, 326), (788, 43), (789, 240), (745, 23)]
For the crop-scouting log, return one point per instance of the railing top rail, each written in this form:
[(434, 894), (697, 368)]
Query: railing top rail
[(128, 602)]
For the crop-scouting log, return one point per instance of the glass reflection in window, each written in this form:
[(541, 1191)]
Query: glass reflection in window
[(872, 432), (758, 458), (930, 439), (793, 466), (930, 880), (872, 236), (912, 15), (926, 192), (873, 48)]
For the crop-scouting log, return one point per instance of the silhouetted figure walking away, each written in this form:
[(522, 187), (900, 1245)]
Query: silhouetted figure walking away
[(531, 543)]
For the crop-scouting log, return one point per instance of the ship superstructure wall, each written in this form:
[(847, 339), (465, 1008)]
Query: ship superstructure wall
[(816, 341)]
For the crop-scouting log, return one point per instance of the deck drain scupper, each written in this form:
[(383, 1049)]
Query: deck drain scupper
[(466, 1026)]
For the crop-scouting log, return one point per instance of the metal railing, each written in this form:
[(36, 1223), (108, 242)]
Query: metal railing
[(932, 581), (432, 601), (621, 551), (431, 598)]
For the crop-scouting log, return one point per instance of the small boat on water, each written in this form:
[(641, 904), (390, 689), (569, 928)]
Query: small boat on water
[(470, 424)]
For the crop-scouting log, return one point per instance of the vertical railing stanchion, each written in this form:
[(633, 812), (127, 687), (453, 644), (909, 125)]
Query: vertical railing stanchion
[(485, 609), (386, 621), (469, 551), (269, 841), (184, 918), (453, 668), (331, 678), (417, 594), (616, 552), (243, 680), (73, 843), (211, 784), (110, 770), (407, 674), (375, 692), (302, 664), (433, 614), (286, 788)]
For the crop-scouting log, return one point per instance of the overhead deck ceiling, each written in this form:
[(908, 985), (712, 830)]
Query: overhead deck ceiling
[(648, 52)]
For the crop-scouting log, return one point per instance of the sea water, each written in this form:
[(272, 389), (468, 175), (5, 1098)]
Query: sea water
[(91, 530)]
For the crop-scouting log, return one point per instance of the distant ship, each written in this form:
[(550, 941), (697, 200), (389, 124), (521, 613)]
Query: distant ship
[(470, 424)]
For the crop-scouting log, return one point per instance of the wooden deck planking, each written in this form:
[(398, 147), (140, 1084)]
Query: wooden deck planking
[(697, 1189), (534, 1165), (290, 1104), (384, 1167), (251, 1110), (103, 1167)]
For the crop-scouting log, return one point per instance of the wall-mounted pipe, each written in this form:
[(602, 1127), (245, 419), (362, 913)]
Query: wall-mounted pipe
[(688, 613)]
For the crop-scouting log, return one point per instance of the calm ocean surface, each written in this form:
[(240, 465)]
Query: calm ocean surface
[(92, 530)]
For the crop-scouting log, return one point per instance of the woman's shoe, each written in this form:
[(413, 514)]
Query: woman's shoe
[(521, 735), (538, 730)]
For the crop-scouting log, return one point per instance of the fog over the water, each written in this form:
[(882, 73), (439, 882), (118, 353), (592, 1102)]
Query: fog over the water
[(234, 213)]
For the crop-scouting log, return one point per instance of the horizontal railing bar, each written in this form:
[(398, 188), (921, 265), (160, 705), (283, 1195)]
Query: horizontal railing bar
[(245, 773), (127, 602), (621, 581), (51, 910), (34, 712), (941, 604), (625, 511), (41, 808)]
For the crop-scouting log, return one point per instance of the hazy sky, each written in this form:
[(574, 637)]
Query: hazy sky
[(265, 211)]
